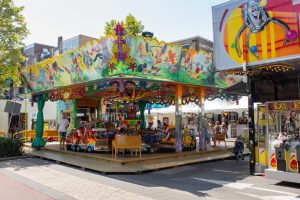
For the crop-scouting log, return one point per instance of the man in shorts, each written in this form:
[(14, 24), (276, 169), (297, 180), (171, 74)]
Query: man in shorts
[(63, 126)]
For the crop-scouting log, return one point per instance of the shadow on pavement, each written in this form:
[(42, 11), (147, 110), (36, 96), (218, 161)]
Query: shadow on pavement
[(289, 184), (18, 165), (196, 179)]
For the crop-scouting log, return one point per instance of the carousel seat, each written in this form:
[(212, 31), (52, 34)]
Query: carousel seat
[(126, 142), (220, 137)]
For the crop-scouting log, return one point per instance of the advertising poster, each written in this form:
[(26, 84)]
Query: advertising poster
[(255, 32)]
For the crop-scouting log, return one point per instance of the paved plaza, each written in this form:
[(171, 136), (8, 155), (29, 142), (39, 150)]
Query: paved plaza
[(34, 178)]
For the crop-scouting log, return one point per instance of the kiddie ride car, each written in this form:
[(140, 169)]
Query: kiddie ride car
[(189, 140), (92, 140), (169, 141), (158, 140), (150, 140)]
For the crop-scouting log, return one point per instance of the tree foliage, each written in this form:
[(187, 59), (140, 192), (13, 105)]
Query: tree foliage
[(109, 27), (131, 26), (12, 32)]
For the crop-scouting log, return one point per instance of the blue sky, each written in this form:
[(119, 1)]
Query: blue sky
[(169, 19)]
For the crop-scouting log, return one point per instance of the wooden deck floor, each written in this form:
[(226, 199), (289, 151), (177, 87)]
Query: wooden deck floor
[(104, 163)]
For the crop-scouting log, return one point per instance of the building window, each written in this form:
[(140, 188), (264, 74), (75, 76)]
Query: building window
[(71, 43), (21, 90), (186, 46)]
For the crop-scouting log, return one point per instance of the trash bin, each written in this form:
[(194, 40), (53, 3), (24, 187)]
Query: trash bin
[(280, 157), (298, 156)]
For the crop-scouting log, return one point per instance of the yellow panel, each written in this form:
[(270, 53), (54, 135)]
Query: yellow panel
[(263, 157), (272, 36), (264, 44), (234, 24)]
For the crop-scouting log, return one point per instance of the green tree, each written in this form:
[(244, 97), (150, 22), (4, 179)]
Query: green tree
[(109, 27), (131, 26), (12, 32)]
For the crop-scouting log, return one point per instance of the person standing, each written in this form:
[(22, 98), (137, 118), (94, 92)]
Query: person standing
[(208, 134), (63, 126), (216, 131), (32, 124)]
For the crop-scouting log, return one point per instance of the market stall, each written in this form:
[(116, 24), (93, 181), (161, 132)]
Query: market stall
[(283, 130), (267, 53)]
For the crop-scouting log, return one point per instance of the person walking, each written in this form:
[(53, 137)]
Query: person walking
[(63, 126), (208, 134), (160, 126)]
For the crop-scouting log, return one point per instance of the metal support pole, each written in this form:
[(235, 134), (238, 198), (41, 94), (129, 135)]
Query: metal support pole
[(201, 126), (11, 115), (74, 121), (201, 120), (26, 114), (178, 117), (99, 110), (252, 143), (299, 86)]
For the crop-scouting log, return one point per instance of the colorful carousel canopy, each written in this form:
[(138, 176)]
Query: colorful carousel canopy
[(126, 68)]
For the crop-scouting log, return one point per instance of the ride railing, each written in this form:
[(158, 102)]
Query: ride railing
[(29, 135)]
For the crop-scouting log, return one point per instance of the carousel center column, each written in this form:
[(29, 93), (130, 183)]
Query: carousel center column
[(142, 107), (178, 117), (74, 121), (39, 142), (100, 111)]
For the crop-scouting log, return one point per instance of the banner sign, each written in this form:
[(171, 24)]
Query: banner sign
[(283, 106)]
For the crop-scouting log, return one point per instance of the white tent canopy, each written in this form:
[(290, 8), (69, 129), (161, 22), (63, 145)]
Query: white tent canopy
[(216, 105)]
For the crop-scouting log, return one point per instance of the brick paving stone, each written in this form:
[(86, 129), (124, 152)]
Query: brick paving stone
[(12, 189), (77, 187)]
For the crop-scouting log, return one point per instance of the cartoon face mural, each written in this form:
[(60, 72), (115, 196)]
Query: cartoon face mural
[(256, 18)]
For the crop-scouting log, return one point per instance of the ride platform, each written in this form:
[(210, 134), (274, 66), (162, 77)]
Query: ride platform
[(105, 163)]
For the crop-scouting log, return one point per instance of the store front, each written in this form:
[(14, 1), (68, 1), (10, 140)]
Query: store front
[(283, 130), (265, 50)]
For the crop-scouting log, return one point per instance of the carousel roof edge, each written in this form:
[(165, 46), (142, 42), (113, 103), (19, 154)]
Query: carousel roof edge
[(122, 56), (112, 80)]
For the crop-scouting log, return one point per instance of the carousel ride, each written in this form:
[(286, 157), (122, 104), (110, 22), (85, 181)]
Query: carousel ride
[(130, 70)]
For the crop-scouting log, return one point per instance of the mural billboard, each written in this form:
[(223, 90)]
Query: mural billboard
[(255, 32)]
